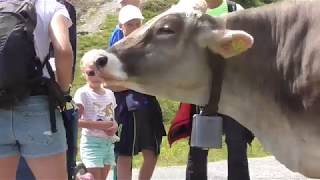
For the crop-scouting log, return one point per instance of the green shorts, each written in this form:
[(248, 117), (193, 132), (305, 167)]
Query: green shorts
[(96, 152)]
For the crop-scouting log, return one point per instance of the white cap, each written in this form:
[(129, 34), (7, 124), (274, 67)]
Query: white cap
[(128, 13)]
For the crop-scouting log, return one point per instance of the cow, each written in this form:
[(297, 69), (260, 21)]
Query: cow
[(269, 58)]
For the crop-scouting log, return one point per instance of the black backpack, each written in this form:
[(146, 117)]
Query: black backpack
[(20, 68)]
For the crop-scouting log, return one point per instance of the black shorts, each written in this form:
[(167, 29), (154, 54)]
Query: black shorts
[(138, 133)]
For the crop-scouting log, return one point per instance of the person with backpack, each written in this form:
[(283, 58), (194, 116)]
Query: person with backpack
[(237, 136), (71, 122), (31, 125)]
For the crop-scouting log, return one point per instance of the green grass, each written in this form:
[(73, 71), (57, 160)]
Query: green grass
[(177, 154)]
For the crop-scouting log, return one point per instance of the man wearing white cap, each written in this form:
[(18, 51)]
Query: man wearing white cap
[(117, 33), (130, 18), (138, 115)]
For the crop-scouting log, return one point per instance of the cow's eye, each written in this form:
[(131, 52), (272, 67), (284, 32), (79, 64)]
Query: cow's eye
[(164, 30)]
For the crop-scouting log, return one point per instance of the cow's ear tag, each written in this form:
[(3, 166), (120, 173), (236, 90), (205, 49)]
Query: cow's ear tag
[(227, 43), (235, 43)]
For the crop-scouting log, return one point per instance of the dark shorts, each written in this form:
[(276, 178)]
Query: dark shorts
[(138, 133)]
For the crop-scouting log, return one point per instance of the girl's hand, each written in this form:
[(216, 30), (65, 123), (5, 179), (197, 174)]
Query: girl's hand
[(112, 130)]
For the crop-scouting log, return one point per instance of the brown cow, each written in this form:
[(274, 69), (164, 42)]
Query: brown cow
[(272, 88)]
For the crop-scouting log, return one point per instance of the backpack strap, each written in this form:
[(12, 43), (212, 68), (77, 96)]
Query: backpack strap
[(56, 97), (232, 6), (27, 11), (48, 66), (51, 98)]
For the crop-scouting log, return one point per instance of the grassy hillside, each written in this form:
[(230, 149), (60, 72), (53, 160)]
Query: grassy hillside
[(178, 153)]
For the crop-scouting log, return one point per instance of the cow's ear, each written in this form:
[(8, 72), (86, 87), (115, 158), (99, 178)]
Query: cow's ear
[(227, 43)]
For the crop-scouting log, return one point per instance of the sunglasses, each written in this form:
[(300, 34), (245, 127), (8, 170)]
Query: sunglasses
[(90, 73)]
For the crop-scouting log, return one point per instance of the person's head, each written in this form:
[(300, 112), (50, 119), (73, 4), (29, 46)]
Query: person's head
[(213, 3), (130, 19), (129, 2), (88, 68)]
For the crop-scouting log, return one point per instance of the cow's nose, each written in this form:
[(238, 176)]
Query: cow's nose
[(102, 61)]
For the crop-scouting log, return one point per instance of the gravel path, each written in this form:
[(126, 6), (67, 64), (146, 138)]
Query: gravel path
[(267, 168), (96, 15)]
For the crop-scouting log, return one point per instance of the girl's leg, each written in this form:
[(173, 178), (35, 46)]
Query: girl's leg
[(8, 167), (50, 167), (149, 163), (105, 171), (124, 167)]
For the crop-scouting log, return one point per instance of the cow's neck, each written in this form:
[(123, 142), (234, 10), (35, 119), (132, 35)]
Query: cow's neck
[(252, 85), (281, 32), (269, 64)]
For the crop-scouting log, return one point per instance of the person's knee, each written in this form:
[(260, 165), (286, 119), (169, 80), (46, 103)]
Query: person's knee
[(124, 159), (149, 156)]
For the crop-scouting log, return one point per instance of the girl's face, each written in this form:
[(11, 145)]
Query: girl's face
[(130, 26), (91, 76)]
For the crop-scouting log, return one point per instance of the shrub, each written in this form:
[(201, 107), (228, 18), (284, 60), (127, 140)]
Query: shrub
[(158, 6)]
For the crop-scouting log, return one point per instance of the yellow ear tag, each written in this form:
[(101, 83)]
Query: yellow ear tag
[(239, 45)]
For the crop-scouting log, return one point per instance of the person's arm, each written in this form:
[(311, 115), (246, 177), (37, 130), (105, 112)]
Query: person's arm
[(107, 126), (110, 131), (93, 124), (59, 35)]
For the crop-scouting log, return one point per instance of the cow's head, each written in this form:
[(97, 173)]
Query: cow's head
[(168, 56)]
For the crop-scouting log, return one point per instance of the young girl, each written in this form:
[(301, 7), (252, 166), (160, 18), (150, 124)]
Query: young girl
[(96, 107)]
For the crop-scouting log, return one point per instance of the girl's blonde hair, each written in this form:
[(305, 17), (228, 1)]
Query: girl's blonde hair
[(90, 57)]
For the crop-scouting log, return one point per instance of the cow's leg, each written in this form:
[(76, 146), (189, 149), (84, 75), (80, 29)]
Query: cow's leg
[(197, 164), (237, 138)]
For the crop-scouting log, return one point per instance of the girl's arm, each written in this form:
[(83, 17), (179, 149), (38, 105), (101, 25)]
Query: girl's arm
[(113, 129), (92, 124)]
